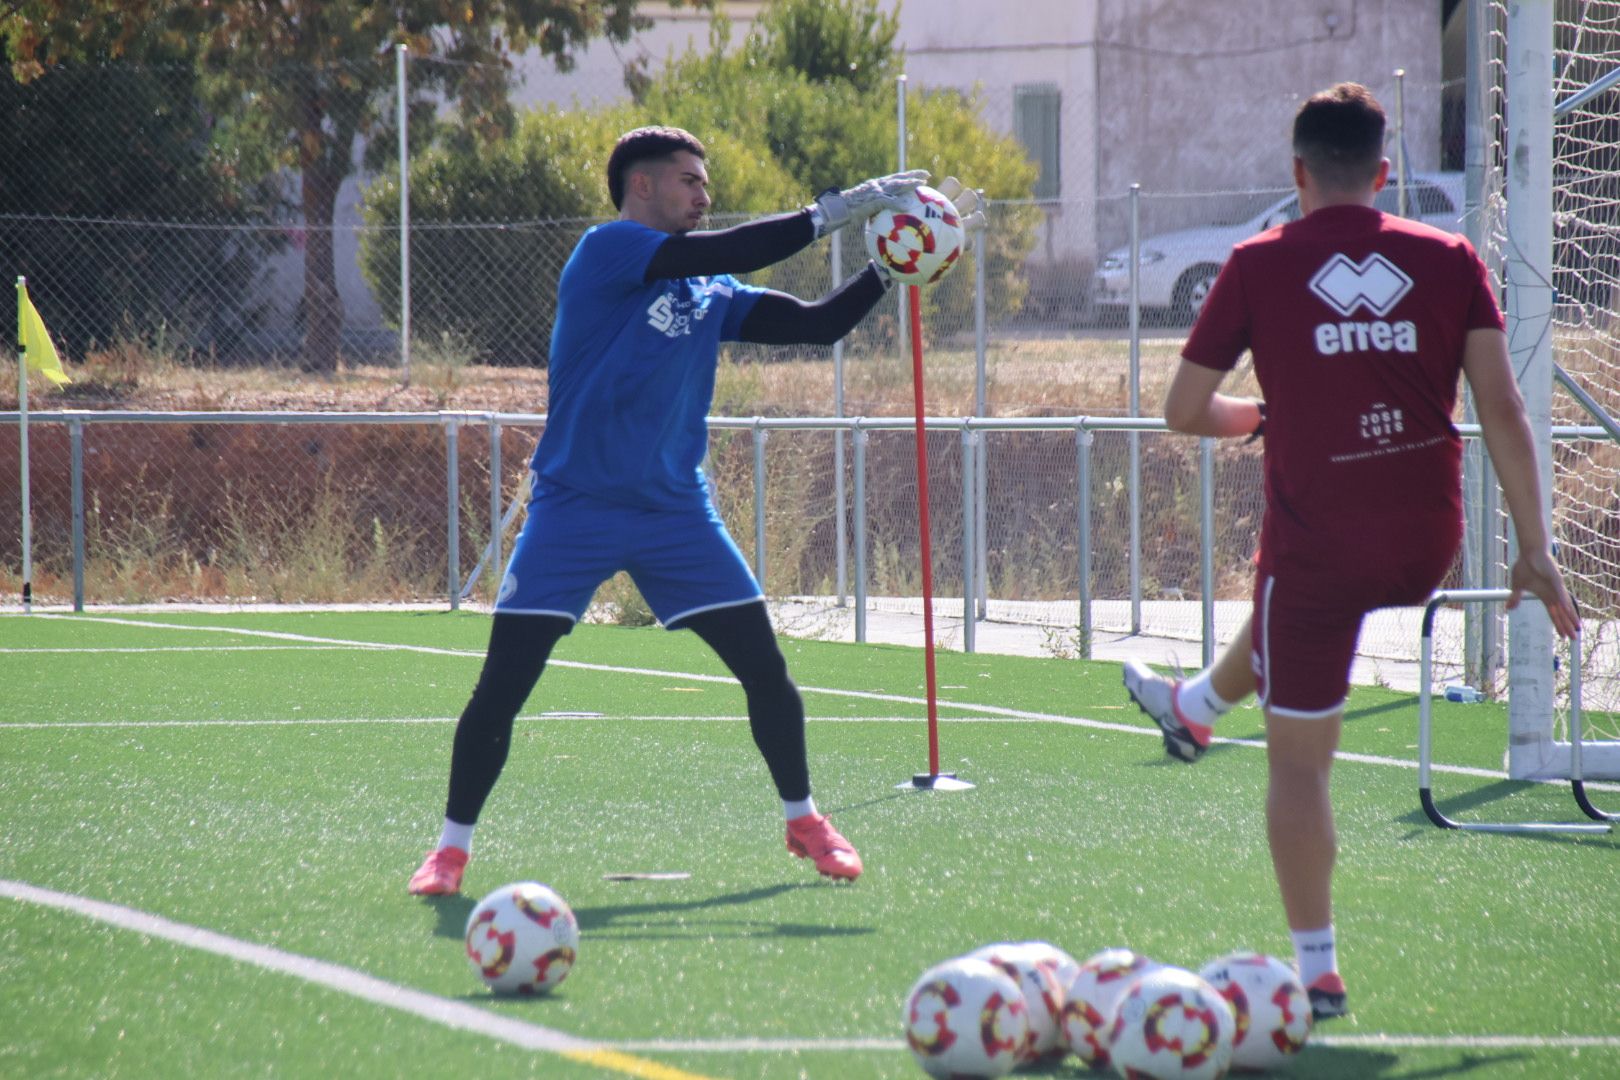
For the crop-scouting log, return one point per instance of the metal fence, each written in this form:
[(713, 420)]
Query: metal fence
[(159, 253), (1038, 516)]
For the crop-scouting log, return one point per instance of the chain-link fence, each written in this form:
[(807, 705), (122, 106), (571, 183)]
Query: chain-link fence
[(142, 237)]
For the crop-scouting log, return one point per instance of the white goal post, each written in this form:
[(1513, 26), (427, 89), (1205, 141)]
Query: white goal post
[(1544, 186)]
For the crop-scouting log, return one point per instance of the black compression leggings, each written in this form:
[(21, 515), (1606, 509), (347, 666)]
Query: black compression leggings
[(743, 639), (520, 645)]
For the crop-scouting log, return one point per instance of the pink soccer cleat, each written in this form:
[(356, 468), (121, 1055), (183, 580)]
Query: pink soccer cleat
[(1156, 695), (1328, 999), (813, 837), (439, 874)]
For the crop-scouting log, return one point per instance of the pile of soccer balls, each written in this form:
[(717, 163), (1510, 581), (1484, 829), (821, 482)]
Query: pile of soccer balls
[(522, 939), (1030, 1003)]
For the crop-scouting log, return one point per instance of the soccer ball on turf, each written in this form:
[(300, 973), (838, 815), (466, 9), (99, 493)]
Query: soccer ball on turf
[(966, 1017), (522, 939), (918, 243), (1090, 997), (1039, 970), (1171, 1025), (1269, 1006)]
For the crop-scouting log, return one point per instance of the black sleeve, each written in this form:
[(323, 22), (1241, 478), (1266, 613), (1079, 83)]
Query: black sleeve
[(780, 319), (737, 250)]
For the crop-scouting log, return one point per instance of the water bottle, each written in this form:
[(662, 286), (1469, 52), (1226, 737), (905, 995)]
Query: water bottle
[(1464, 694)]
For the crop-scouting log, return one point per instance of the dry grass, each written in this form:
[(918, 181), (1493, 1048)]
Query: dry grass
[(1024, 377)]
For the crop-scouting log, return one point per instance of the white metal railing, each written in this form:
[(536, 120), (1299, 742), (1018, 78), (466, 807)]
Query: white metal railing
[(858, 428)]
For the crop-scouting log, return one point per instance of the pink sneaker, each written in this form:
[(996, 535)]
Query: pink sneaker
[(813, 837), (1328, 999), (439, 874)]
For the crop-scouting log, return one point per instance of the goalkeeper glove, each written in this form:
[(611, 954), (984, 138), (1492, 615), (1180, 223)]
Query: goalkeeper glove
[(967, 202), (833, 209)]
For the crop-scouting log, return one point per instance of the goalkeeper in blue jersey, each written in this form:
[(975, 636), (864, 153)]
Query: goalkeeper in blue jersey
[(642, 307)]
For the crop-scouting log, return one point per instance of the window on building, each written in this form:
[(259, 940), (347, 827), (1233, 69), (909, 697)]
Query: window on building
[(1037, 113)]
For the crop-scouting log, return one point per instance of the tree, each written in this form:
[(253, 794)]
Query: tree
[(813, 85), (296, 83), (96, 156), (806, 102), (493, 222)]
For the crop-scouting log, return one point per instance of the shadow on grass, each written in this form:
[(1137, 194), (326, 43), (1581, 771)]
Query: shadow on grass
[(1400, 704), (665, 919), (453, 912), (669, 919), (1487, 794), (1327, 1061), (898, 793)]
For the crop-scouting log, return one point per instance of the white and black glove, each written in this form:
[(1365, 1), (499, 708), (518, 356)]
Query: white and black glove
[(833, 209), (967, 202)]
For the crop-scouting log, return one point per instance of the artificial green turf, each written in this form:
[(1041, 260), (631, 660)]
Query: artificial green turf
[(299, 834)]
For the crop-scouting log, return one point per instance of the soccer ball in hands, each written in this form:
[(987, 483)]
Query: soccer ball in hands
[(1171, 1024), (522, 939), (1041, 971), (1090, 998), (918, 243), (966, 1017), (1269, 1006)]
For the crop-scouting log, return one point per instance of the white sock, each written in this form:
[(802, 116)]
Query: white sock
[(1198, 701), (795, 808), (456, 834), (1315, 953)]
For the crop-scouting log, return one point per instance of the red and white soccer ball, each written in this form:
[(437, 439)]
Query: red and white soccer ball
[(1270, 1008), (1042, 971), (522, 939), (1172, 1025), (966, 1018), (1091, 997), (918, 243)]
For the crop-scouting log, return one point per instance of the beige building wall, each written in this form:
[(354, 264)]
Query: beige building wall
[(1184, 97), (1025, 44), (1197, 95)]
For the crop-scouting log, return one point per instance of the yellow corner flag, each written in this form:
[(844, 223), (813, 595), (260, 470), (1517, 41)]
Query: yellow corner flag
[(36, 340)]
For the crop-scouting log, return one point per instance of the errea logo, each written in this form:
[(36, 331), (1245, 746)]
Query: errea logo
[(1374, 283)]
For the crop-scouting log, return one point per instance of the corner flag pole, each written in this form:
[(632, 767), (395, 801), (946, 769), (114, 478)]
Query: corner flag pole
[(22, 427), (933, 778)]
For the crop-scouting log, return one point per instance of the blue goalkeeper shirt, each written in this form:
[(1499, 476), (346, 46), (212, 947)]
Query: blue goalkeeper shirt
[(632, 371)]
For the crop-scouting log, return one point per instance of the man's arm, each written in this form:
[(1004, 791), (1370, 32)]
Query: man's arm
[(762, 243), (1193, 407), (780, 319), (1512, 447), (737, 250)]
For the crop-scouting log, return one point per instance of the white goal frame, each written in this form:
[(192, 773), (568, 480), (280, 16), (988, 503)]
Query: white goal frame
[(1534, 752)]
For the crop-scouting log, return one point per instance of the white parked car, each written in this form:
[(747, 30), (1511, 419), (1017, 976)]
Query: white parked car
[(1179, 267)]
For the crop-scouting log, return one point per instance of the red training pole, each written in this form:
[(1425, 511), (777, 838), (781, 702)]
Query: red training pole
[(922, 525)]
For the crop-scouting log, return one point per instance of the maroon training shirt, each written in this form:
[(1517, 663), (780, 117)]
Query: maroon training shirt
[(1357, 321)]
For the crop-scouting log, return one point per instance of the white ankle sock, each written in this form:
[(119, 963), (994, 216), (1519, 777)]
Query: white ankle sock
[(456, 834), (1315, 953), (1198, 701), (795, 808)]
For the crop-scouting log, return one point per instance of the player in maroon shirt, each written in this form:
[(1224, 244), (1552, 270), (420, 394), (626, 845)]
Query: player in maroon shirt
[(1360, 324)]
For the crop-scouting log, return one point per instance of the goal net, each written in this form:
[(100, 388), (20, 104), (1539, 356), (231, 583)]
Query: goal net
[(1548, 171)]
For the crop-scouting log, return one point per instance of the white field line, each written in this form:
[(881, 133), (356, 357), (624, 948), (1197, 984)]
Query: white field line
[(470, 1018), (453, 1014), (987, 712)]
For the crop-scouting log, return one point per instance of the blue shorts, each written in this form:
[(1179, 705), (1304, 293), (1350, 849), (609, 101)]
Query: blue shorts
[(683, 561)]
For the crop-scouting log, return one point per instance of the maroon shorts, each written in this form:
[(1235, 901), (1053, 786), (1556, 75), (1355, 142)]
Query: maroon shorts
[(1306, 626)]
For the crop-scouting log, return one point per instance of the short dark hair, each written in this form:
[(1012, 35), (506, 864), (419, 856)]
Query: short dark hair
[(1339, 135), (645, 144)]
